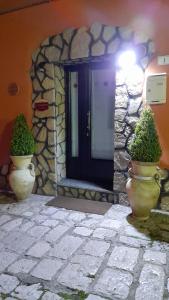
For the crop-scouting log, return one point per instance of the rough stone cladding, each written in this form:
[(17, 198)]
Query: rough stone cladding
[(97, 43)]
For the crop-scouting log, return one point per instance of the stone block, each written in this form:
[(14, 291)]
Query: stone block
[(22, 266), (95, 30), (38, 231), (4, 219), (12, 224), (18, 241), (123, 257), (114, 283), (119, 182), (50, 296), (89, 265), (80, 44), (67, 34), (155, 257), (121, 160), (52, 54), (66, 247), (83, 231), (104, 233), (111, 224), (7, 283), (77, 280), (39, 249), (28, 292), (47, 268), (56, 233), (98, 48), (108, 33), (96, 248), (151, 281), (113, 46)]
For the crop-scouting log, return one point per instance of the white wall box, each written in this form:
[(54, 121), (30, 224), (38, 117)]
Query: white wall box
[(156, 88)]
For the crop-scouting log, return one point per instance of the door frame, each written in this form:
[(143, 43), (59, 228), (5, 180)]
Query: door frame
[(85, 67)]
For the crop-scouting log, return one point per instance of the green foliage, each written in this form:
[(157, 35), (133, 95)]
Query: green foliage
[(78, 295), (22, 142), (145, 144)]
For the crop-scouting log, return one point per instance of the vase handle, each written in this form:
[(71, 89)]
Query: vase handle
[(32, 169)]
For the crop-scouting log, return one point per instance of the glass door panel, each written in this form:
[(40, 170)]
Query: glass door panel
[(102, 103), (74, 113)]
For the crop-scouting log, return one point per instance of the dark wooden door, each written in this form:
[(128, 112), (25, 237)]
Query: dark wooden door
[(89, 122)]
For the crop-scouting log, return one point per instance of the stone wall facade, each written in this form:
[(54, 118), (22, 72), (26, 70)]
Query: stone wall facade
[(97, 43)]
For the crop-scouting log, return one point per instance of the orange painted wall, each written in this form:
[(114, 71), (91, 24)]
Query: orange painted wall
[(21, 33)]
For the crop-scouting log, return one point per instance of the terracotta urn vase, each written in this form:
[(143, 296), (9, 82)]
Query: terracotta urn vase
[(22, 176), (143, 188)]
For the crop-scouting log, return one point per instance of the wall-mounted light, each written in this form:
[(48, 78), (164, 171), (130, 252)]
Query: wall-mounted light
[(126, 59)]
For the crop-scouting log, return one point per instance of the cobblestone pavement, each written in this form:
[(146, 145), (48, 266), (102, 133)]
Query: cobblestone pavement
[(50, 253)]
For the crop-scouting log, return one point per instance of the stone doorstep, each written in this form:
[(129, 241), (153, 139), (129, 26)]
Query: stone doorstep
[(84, 190)]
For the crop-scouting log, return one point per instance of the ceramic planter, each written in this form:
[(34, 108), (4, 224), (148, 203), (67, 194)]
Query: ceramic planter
[(143, 188), (22, 177)]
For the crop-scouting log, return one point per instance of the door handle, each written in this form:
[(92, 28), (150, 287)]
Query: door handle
[(88, 123)]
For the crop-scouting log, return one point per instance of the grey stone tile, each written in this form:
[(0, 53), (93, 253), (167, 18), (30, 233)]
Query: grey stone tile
[(76, 216), (8, 283), (39, 249), (18, 241), (39, 219), (91, 223), (6, 258), (38, 231), (23, 265), (49, 211), (26, 226), (66, 247), (51, 296), (104, 233), (94, 297), (30, 292), (2, 235), (8, 298), (28, 214), (89, 265), (114, 283), (56, 233), (60, 215), (133, 241), (47, 268), (156, 257), (96, 248), (12, 224), (50, 223), (151, 281), (123, 257), (4, 219), (83, 231), (73, 277), (111, 224)]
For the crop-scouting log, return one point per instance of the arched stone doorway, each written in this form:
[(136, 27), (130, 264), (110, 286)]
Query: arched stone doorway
[(99, 42)]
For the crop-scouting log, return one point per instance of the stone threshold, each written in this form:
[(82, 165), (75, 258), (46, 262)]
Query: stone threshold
[(84, 189)]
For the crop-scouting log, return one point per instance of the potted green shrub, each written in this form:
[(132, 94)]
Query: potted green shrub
[(143, 186), (22, 148)]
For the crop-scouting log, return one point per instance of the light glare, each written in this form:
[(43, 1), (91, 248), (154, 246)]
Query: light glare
[(127, 59)]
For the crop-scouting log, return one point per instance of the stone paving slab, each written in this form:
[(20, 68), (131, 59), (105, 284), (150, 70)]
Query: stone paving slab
[(51, 253), (123, 258)]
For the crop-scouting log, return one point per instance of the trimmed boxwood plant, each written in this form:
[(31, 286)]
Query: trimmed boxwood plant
[(145, 144), (22, 142)]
